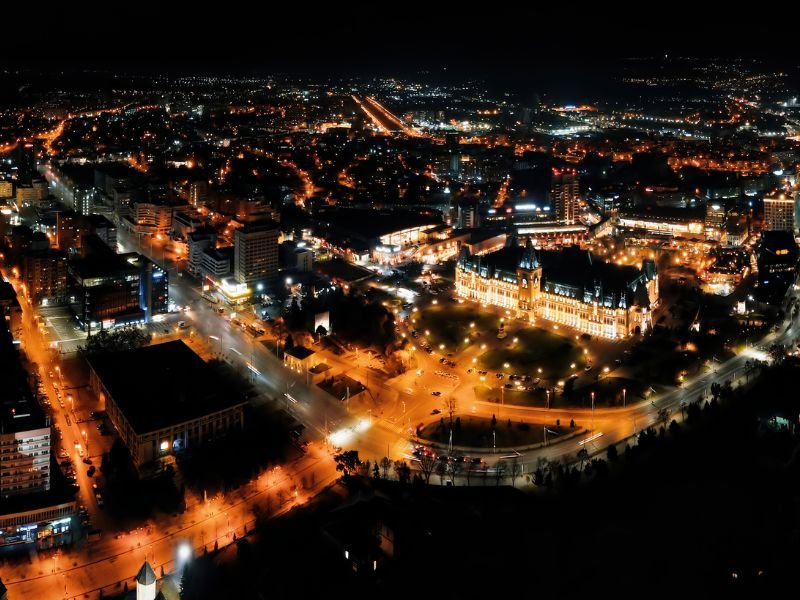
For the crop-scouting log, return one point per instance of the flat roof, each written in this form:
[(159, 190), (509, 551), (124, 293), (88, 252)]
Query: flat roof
[(159, 386), (300, 352), (19, 411), (377, 223)]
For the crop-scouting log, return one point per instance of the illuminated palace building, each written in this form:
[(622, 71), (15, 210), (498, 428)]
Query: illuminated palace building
[(568, 286)]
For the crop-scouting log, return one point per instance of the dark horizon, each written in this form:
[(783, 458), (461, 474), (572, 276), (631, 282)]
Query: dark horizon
[(364, 41)]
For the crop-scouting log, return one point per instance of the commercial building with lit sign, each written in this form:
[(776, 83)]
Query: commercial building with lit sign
[(173, 403), (569, 286), (664, 222)]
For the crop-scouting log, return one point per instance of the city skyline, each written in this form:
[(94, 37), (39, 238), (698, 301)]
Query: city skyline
[(429, 302)]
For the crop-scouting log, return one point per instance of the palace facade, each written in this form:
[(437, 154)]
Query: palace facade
[(568, 286)]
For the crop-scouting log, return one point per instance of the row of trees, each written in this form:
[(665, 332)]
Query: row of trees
[(349, 464)]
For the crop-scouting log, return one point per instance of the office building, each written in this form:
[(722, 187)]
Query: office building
[(564, 195), (255, 252), (72, 226), (151, 217), (198, 242), (779, 212), (569, 286), (215, 263), (73, 185), (153, 285), (177, 403), (106, 287)]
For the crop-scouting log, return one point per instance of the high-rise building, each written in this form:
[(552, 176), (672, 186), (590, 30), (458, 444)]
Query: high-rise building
[(715, 221), (564, 193), (468, 214), (25, 161), (153, 285), (45, 275), (255, 252), (72, 226), (198, 192), (24, 428), (779, 212)]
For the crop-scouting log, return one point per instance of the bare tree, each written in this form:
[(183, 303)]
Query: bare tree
[(455, 470), (403, 471), (583, 455), (427, 463), (663, 416), (441, 470), (385, 464), (499, 471), (469, 468), (514, 470)]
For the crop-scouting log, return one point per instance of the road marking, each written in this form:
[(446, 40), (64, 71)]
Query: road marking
[(590, 438)]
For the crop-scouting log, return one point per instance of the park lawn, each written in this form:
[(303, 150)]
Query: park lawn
[(536, 349), (608, 392), (476, 432), (449, 324), (537, 397)]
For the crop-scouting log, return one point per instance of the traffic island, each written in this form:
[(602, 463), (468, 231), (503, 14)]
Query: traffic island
[(485, 434)]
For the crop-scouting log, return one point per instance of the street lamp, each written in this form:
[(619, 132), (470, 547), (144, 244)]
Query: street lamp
[(624, 391)]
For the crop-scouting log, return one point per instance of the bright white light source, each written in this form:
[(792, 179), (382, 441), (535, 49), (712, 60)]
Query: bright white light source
[(184, 553)]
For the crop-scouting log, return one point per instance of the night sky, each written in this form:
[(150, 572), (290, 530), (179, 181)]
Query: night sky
[(365, 38)]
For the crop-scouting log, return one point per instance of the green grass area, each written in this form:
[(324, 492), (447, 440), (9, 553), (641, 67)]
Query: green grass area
[(661, 358), (535, 349), (512, 396), (449, 323), (608, 391), (476, 432)]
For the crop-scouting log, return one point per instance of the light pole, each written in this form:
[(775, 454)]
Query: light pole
[(623, 397), (592, 413), (548, 399)]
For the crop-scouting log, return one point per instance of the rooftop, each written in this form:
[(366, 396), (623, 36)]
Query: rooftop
[(162, 385), (300, 352), (377, 223), (19, 411)]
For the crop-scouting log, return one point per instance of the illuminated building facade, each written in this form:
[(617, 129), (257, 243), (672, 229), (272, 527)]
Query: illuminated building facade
[(564, 195), (569, 286), (779, 212), (664, 222), (45, 276), (255, 252)]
